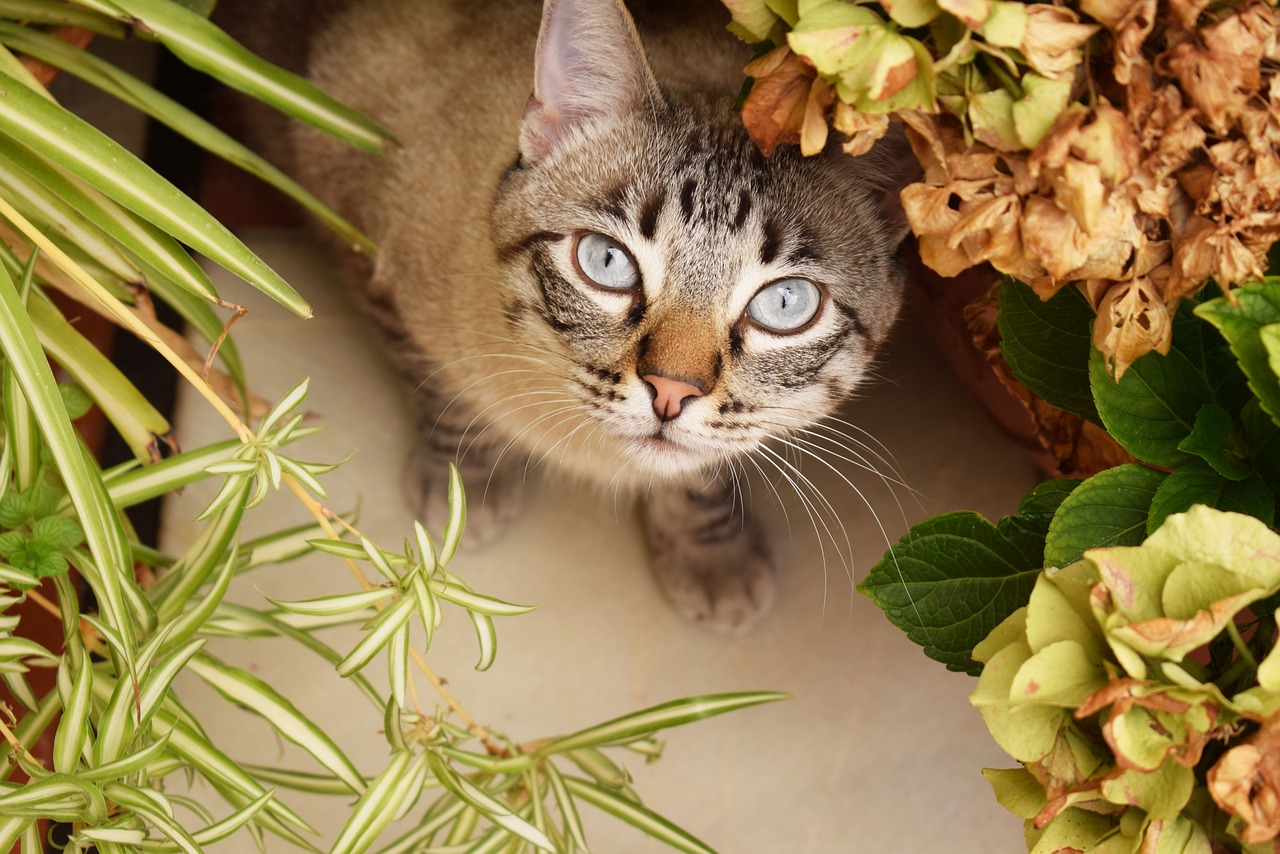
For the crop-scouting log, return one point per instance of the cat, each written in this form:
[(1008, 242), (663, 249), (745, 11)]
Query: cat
[(604, 277)]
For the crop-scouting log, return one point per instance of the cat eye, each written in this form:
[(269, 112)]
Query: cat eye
[(604, 262), (785, 306)]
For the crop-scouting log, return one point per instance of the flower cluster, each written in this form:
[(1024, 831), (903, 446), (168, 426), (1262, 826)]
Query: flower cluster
[(1129, 689), (1131, 145)]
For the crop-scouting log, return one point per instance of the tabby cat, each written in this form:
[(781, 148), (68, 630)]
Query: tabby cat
[(606, 277)]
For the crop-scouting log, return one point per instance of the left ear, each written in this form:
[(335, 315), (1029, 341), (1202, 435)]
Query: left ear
[(589, 64)]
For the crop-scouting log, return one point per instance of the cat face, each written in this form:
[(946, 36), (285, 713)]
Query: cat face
[(697, 297)]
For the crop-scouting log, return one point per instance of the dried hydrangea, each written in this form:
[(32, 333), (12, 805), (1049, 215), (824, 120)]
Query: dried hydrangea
[(1130, 146), (1128, 692)]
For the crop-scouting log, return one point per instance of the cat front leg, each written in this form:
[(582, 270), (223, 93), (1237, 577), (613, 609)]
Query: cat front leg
[(492, 471), (711, 559)]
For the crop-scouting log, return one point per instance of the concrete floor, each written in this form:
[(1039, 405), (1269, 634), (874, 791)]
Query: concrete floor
[(878, 752)]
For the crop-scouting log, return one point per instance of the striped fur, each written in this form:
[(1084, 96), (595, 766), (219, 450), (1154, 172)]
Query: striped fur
[(513, 356)]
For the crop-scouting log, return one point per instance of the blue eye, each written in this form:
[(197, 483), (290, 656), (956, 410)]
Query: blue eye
[(604, 262), (785, 306)]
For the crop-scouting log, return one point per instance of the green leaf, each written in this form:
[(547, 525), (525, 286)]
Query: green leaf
[(73, 729), (1211, 440), (241, 687), (954, 578), (60, 15), (205, 47), (144, 98), (139, 423), (1108, 509), (376, 807), (1153, 407), (1038, 507), (639, 817), (76, 399), (104, 164), (57, 533), (1199, 484), (663, 716), (488, 806), (189, 574), (390, 621), (1255, 307)]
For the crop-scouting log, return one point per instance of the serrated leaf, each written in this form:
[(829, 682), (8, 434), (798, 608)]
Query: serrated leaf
[(1108, 509), (954, 578), (1047, 345), (1241, 320), (1153, 407), (1199, 484), (1211, 440), (57, 533)]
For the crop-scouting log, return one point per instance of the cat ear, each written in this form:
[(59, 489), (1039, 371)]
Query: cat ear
[(589, 65)]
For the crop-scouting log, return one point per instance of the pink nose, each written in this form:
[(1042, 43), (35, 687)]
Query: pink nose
[(669, 394)]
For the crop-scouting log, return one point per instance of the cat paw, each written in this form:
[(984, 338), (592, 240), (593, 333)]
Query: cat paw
[(493, 502), (728, 588)]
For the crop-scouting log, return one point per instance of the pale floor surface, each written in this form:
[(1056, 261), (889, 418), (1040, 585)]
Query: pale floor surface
[(879, 750)]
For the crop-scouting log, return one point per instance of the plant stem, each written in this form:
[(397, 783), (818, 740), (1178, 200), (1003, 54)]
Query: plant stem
[(322, 515), (1241, 647)]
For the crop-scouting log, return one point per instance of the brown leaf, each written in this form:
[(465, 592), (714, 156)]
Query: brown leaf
[(1052, 40), (1219, 83), (1130, 22), (861, 130), (774, 111), (813, 132), (1246, 782), (1132, 321)]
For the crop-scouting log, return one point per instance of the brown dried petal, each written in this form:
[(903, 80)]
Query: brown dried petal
[(1246, 782), (774, 111), (1132, 321), (1052, 40), (813, 131), (1130, 21), (861, 130), (1219, 84), (1249, 35)]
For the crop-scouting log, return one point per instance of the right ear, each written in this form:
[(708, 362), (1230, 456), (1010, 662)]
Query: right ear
[(589, 65)]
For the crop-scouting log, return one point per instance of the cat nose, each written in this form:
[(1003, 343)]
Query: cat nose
[(669, 394)]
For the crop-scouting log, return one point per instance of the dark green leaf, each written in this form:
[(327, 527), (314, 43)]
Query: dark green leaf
[(1153, 407), (1205, 347), (1263, 436), (954, 578), (1037, 509), (1046, 343), (1199, 484), (1256, 306), (1108, 509), (1211, 440)]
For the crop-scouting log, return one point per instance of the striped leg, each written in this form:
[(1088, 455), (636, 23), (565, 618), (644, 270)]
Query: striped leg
[(710, 560), (494, 481)]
